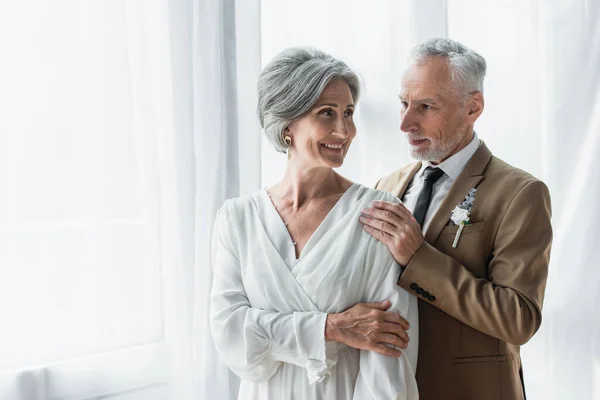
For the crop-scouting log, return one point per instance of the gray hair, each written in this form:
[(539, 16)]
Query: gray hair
[(467, 66), (290, 85)]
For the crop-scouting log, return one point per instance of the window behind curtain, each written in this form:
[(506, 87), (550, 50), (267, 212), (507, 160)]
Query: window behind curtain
[(80, 275)]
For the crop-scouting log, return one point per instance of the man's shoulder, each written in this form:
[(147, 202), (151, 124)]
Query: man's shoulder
[(505, 185), (388, 182), (508, 176)]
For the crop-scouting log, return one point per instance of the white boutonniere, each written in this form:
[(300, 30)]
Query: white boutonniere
[(461, 215)]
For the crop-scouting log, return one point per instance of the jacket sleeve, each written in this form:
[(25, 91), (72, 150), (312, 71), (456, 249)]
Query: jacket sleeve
[(507, 305)]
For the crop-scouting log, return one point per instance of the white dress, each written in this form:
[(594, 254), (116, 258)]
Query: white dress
[(268, 310)]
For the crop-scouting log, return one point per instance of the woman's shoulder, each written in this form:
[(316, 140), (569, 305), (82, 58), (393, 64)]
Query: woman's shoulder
[(367, 194), (241, 206)]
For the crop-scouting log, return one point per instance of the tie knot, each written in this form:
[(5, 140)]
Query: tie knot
[(433, 174)]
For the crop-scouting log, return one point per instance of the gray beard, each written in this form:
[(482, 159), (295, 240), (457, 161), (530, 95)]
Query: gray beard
[(438, 151), (432, 154)]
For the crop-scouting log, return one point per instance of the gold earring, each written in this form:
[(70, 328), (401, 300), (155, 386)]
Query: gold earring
[(288, 141)]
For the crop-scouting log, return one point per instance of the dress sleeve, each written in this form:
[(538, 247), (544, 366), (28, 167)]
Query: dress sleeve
[(383, 377), (254, 342)]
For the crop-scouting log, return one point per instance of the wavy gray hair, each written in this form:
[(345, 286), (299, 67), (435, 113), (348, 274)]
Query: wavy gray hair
[(290, 85), (467, 66)]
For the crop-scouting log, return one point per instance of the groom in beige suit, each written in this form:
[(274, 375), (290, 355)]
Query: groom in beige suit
[(480, 290)]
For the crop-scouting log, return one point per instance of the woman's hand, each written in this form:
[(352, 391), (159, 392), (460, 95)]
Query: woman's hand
[(368, 326)]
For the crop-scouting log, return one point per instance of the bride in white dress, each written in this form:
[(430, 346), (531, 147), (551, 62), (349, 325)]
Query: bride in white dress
[(287, 258)]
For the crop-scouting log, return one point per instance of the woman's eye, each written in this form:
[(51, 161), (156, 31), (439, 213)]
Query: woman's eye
[(328, 112), (349, 113)]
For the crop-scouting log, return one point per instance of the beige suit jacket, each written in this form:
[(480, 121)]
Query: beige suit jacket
[(479, 302)]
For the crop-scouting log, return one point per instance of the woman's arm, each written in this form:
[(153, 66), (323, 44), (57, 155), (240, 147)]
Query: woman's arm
[(380, 376), (253, 342)]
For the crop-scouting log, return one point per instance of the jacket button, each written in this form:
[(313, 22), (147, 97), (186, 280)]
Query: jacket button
[(426, 295), (414, 286), (431, 298), (419, 291)]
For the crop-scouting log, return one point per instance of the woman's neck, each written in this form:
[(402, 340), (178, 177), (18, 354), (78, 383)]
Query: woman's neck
[(300, 184)]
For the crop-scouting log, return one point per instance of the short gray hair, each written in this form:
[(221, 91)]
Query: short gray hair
[(467, 66), (290, 85)]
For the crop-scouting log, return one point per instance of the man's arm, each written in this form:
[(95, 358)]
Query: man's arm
[(508, 304)]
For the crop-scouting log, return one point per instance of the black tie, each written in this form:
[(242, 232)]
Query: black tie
[(431, 176)]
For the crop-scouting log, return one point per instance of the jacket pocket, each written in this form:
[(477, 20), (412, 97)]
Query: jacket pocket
[(466, 360), (485, 378), (471, 228)]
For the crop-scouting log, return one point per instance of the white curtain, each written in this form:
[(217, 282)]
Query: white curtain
[(124, 124), (85, 159), (226, 63), (120, 136)]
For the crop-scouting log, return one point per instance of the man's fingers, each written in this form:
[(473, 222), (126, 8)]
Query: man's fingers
[(383, 216), (386, 350), (379, 224), (377, 234), (397, 208)]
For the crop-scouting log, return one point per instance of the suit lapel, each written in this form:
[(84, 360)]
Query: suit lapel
[(471, 176), (405, 179)]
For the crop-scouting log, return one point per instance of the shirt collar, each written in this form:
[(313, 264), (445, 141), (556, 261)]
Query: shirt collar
[(454, 165)]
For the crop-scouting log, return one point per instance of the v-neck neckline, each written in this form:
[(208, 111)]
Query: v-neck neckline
[(308, 244)]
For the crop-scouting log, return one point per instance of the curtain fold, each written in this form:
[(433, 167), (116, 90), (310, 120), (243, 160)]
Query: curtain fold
[(227, 148), (216, 149), (127, 123)]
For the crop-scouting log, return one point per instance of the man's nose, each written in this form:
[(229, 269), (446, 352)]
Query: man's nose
[(408, 122)]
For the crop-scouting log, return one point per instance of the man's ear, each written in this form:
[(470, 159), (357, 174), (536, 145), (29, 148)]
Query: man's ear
[(476, 104)]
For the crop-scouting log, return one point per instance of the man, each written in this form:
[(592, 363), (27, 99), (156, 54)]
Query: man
[(480, 285)]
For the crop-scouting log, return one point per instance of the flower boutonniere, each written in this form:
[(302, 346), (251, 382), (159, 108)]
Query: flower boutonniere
[(461, 215)]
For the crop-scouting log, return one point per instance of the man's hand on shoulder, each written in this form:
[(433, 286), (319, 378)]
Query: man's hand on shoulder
[(394, 225)]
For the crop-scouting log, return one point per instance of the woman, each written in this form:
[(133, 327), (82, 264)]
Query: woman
[(286, 256)]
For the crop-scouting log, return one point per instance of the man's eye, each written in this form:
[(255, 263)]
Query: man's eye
[(404, 104), (425, 106)]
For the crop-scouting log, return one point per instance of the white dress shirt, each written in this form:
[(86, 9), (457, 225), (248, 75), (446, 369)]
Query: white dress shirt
[(452, 167)]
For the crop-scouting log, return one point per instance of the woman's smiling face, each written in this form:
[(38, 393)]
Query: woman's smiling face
[(322, 137)]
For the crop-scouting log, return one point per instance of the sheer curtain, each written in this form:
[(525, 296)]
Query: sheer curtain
[(226, 64), (120, 136), (124, 124), (81, 259)]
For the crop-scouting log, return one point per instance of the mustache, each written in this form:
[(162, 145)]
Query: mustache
[(416, 137)]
